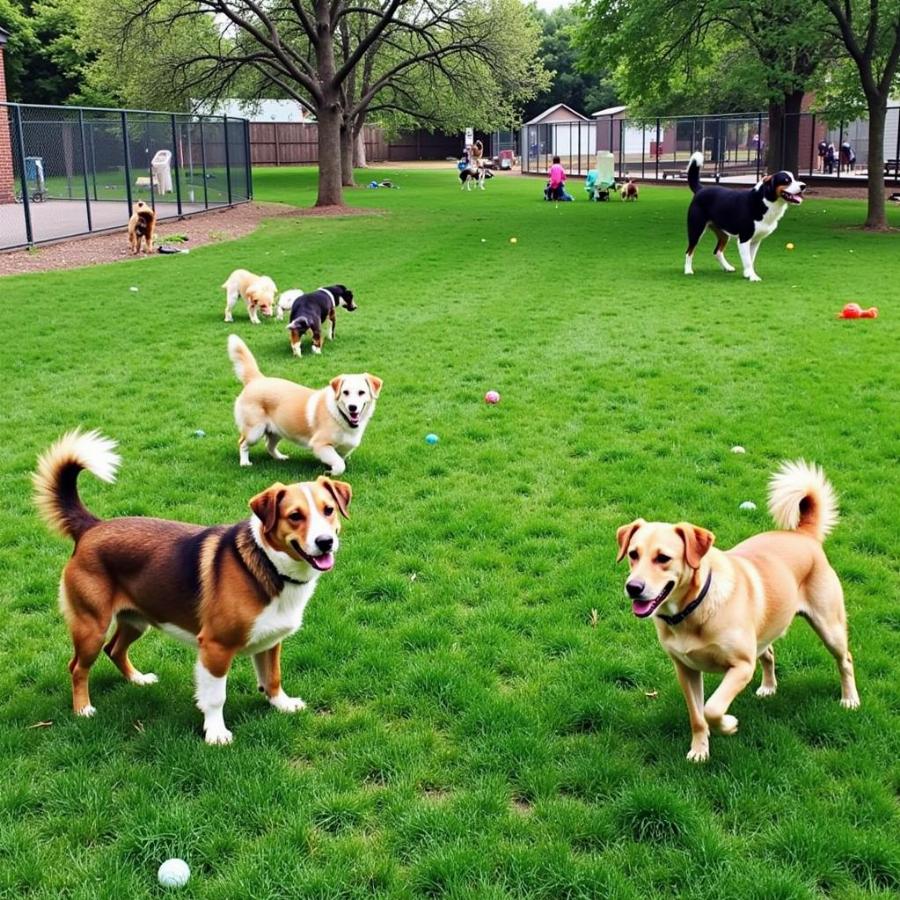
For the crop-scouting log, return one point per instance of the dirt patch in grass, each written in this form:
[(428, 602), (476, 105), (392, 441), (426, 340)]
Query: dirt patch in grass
[(214, 226)]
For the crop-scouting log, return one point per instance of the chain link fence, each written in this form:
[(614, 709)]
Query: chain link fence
[(735, 147), (67, 171)]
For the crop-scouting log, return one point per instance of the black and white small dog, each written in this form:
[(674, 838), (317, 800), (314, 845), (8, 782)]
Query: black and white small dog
[(309, 311), (750, 216), (474, 174)]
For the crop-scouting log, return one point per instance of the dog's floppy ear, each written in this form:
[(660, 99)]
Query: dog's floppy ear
[(697, 542), (340, 490), (336, 383), (624, 535), (265, 505), (299, 324), (375, 384)]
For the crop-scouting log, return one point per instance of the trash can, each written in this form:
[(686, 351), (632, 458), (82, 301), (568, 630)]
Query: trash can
[(34, 176), (161, 167)]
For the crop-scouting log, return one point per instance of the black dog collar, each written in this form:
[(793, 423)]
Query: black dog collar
[(291, 580), (681, 616)]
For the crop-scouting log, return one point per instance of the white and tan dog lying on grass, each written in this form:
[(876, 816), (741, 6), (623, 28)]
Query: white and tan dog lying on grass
[(720, 611), (329, 421), (257, 291)]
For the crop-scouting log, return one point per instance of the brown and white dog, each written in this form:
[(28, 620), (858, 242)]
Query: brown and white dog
[(720, 612), (229, 590), (258, 292), (629, 190), (141, 227), (330, 421)]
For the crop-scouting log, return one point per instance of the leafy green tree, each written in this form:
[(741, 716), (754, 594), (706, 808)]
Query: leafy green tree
[(314, 51), (585, 89), (44, 58), (870, 32), (680, 56), (406, 81)]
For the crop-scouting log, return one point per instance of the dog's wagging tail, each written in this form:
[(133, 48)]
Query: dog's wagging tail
[(693, 172), (56, 479)]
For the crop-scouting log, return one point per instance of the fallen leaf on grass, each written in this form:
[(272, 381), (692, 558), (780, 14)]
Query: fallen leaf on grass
[(40, 725)]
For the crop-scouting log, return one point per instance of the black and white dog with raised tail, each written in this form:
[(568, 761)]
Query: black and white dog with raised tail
[(750, 216)]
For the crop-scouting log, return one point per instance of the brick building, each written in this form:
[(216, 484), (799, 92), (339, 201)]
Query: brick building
[(7, 177)]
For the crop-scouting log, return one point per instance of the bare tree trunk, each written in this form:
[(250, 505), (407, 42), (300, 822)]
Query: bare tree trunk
[(875, 215), (773, 147), (790, 141), (328, 113), (330, 190), (359, 149), (347, 155)]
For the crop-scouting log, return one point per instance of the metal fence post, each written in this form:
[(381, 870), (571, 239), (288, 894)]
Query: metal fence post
[(20, 141), (579, 146), (248, 166), (758, 143), (812, 144), (657, 150), (203, 164), (840, 143), (87, 198), (621, 149), (643, 146), (93, 160), (177, 166), (897, 152), (227, 156), (128, 163)]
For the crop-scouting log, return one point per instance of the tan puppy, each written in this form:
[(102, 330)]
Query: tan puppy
[(720, 612), (228, 590), (141, 227), (630, 190), (257, 291), (330, 421)]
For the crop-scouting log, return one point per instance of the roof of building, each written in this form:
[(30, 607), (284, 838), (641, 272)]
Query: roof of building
[(609, 111), (541, 116)]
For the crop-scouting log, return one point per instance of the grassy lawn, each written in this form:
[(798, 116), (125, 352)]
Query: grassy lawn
[(474, 730)]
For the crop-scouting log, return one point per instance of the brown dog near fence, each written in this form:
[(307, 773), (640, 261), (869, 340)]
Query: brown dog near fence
[(141, 226)]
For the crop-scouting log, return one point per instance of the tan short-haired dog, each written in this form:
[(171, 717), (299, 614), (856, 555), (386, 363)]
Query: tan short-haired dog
[(141, 227), (720, 612), (228, 590), (258, 292), (331, 421)]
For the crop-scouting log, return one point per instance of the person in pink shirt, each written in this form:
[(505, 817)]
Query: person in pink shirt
[(557, 179)]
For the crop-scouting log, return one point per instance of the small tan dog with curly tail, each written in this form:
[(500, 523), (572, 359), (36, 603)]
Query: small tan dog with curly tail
[(720, 611)]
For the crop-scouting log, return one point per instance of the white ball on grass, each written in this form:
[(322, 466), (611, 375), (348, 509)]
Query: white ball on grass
[(748, 504), (174, 873)]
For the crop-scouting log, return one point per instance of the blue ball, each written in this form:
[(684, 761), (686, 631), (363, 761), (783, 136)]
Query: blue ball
[(431, 439)]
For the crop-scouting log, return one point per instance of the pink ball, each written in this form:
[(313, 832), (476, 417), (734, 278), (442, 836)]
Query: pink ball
[(491, 397)]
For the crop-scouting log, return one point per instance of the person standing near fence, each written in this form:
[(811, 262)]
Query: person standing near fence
[(848, 156), (821, 150), (830, 159)]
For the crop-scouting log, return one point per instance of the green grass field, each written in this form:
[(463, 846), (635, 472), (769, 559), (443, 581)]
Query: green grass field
[(474, 729)]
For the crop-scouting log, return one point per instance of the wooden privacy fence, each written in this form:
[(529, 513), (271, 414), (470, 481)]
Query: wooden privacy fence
[(297, 143)]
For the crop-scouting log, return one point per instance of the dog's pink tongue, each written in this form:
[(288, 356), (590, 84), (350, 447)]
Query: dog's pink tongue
[(641, 607), (324, 562)]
